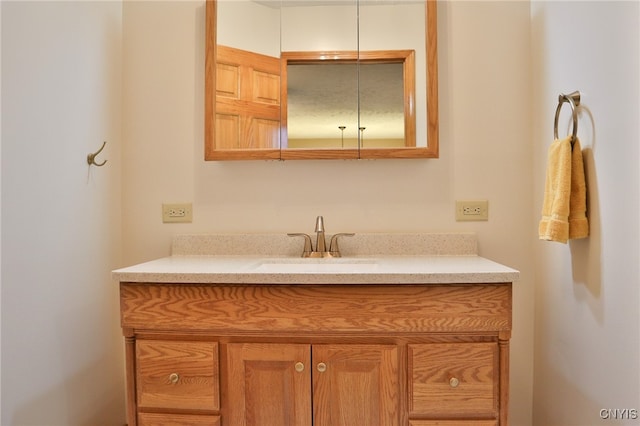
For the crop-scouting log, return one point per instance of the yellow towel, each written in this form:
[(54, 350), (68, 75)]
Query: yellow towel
[(564, 209)]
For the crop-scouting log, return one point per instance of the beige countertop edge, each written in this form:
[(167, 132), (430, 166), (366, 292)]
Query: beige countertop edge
[(389, 270), (320, 279)]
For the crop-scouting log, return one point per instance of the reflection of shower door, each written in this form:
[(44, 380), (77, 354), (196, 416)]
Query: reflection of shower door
[(247, 100)]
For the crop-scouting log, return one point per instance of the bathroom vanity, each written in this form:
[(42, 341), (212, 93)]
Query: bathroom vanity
[(238, 330)]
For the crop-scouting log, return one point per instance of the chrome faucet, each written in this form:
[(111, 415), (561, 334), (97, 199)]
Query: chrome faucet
[(321, 245)]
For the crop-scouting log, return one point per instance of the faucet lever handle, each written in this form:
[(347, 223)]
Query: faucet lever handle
[(307, 243), (333, 246)]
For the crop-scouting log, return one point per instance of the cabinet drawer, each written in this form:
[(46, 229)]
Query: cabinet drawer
[(177, 375), (155, 419), (453, 380), (453, 423)]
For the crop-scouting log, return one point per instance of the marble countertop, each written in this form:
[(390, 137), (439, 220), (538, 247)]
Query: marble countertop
[(399, 259)]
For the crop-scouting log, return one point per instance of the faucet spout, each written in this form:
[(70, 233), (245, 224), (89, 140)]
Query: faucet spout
[(320, 241), (321, 245)]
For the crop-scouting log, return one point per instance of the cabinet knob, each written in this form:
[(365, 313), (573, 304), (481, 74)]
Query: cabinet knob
[(173, 378), (322, 367), (454, 382), (299, 367)]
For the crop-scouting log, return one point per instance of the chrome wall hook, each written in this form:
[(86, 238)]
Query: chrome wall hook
[(91, 158)]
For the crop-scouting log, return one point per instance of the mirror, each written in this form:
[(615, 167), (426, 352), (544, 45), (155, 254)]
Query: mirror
[(333, 85), (330, 103)]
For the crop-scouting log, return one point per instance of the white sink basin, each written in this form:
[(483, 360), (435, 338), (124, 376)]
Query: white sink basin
[(315, 266)]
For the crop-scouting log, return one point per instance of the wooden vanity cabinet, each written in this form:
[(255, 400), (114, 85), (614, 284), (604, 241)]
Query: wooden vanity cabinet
[(321, 355)]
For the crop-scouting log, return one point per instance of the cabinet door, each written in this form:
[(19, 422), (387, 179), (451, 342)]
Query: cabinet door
[(247, 100), (355, 385), (453, 423), (268, 384), (177, 375)]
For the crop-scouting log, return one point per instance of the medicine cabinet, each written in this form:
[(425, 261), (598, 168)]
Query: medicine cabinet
[(310, 79)]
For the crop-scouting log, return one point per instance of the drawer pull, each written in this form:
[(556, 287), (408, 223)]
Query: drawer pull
[(322, 367), (454, 382), (173, 378), (299, 367)]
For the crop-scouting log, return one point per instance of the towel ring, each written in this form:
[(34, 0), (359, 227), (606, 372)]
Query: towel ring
[(573, 99)]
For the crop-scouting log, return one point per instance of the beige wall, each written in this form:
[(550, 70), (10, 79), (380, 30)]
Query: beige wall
[(485, 154), (587, 341), (62, 348)]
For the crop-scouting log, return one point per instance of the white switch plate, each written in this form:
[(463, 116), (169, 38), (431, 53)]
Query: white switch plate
[(471, 210), (176, 213)]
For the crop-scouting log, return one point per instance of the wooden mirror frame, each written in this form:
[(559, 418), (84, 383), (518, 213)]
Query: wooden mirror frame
[(430, 151)]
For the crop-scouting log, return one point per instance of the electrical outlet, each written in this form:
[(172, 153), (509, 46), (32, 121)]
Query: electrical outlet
[(174, 213), (472, 210)]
